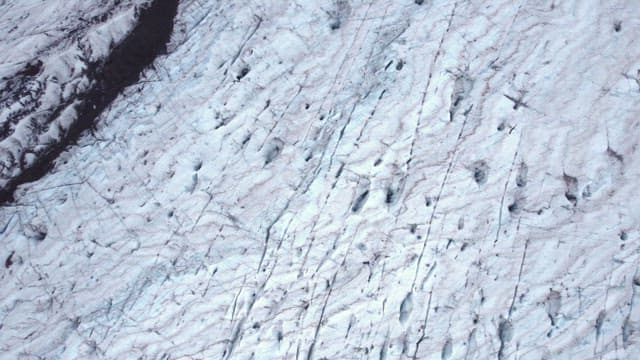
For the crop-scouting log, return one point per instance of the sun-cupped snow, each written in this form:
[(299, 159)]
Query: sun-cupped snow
[(344, 180)]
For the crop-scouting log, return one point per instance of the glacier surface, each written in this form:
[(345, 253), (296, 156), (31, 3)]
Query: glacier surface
[(328, 180)]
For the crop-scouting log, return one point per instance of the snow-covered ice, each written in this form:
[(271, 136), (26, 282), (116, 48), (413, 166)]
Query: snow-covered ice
[(335, 180)]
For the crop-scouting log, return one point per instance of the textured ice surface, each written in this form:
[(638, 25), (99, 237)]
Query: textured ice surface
[(348, 179)]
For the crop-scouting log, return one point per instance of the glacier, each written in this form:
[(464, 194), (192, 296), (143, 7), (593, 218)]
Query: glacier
[(323, 180)]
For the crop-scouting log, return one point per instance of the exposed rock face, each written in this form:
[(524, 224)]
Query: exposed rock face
[(321, 179)]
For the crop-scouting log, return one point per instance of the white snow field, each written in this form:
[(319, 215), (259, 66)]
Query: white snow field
[(383, 179)]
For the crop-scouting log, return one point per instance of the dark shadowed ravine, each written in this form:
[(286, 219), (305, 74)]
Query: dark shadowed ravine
[(108, 76)]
